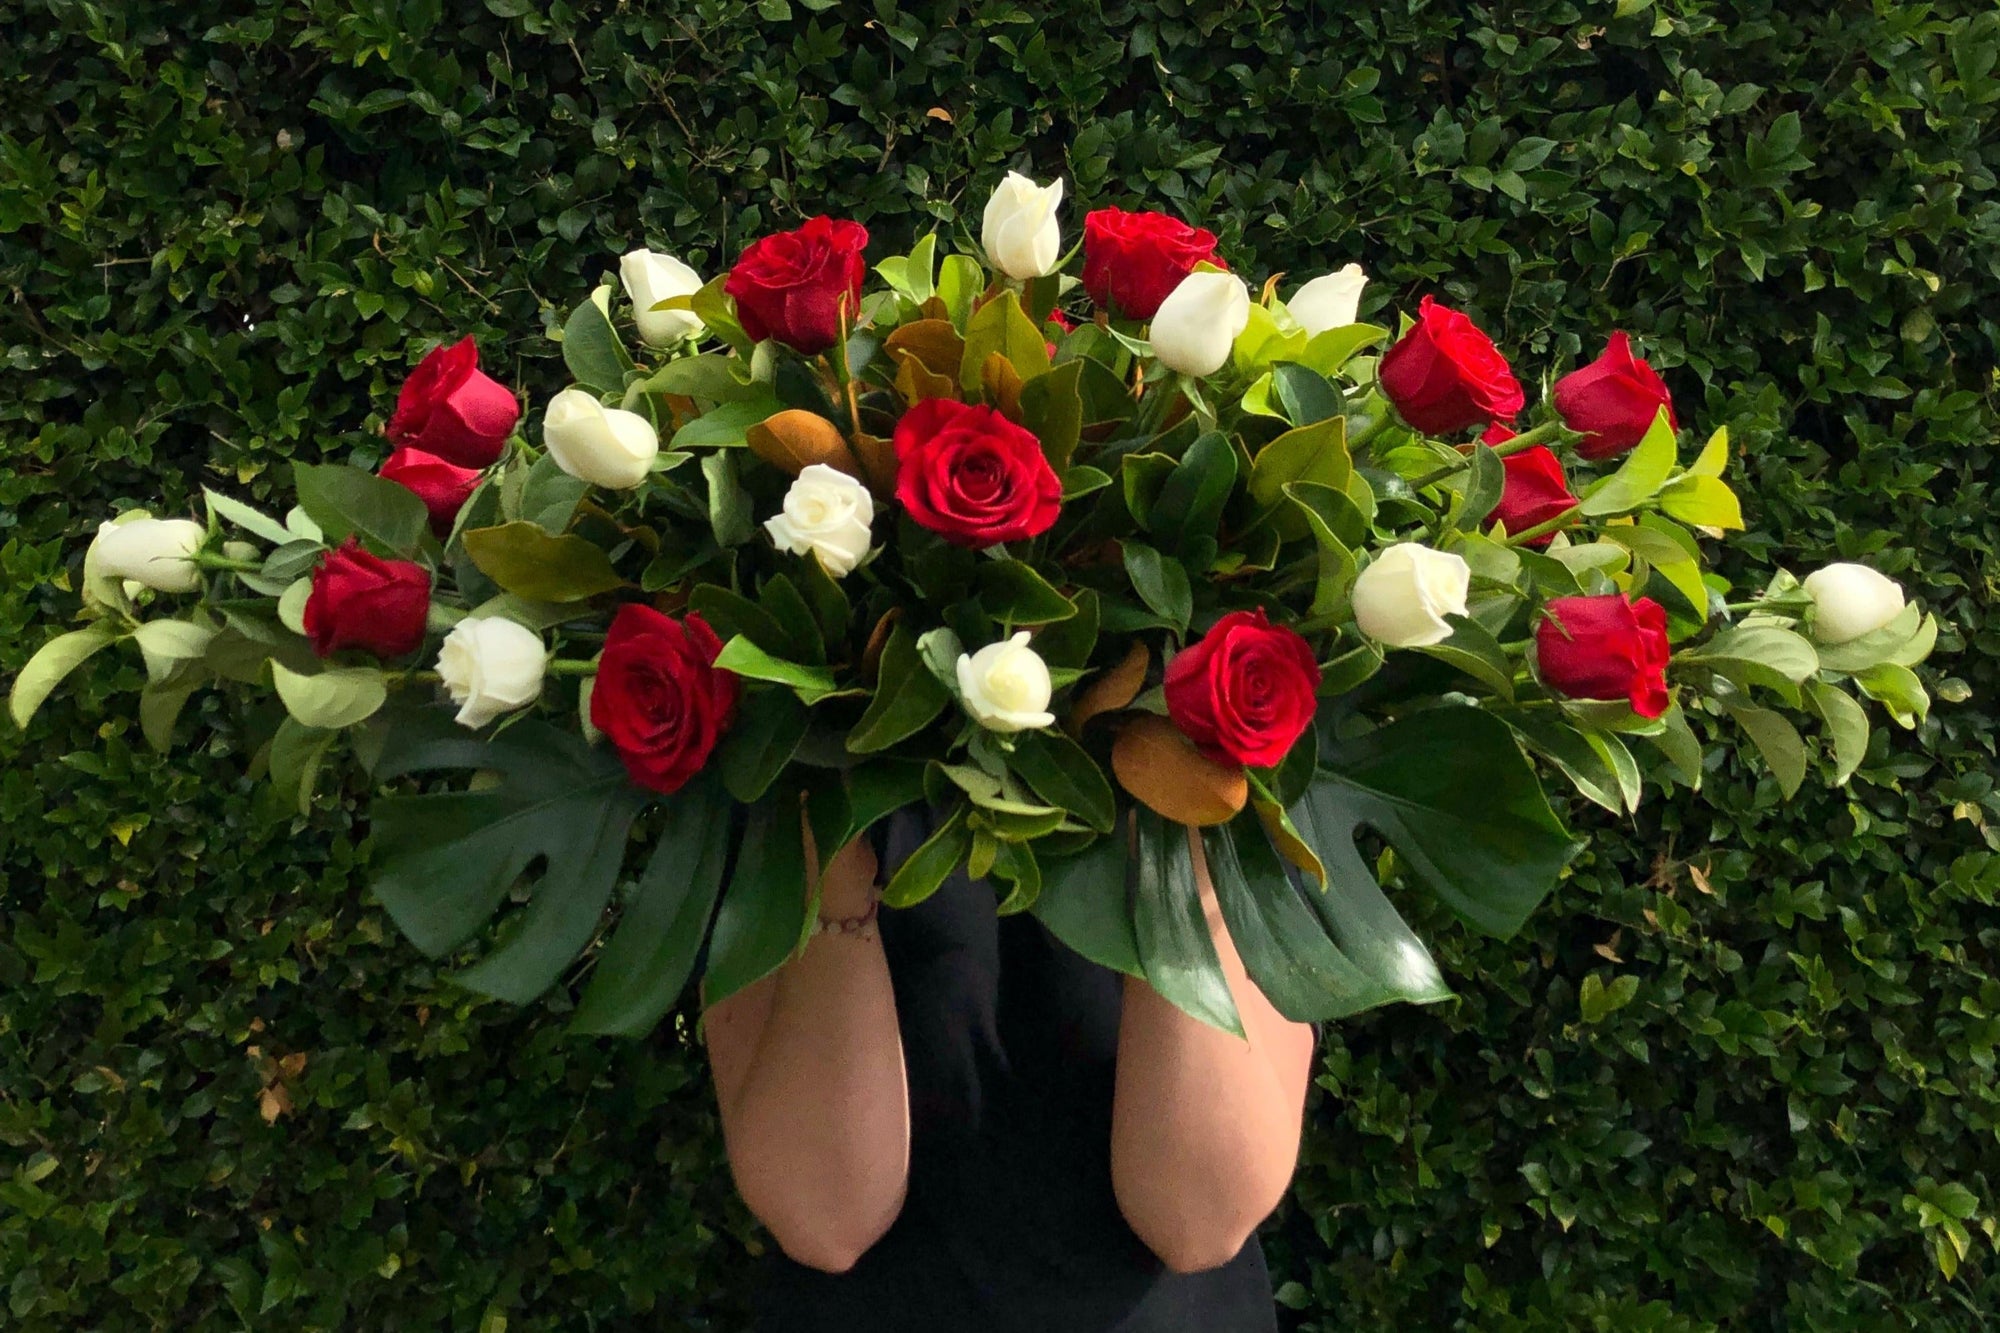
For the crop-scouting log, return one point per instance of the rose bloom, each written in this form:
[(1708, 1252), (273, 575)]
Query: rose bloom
[(1608, 647), (1133, 261), (443, 487), (1536, 491), (659, 697), (362, 601), (972, 476), (1245, 691), (450, 409), (1445, 375), (793, 285), (1613, 401)]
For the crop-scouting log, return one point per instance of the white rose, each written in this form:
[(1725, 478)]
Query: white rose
[(1006, 686), (1019, 230), (158, 552), (1330, 301), (1197, 324), (1851, 600), (828, 513), (605, 446), (1406, 592), (650, 278), (491, 666)]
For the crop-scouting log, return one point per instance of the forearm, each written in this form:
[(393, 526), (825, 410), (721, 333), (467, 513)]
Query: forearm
[(809, 1074), (1205, 1125)]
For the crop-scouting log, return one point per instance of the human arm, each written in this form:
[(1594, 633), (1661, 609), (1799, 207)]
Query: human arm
[(1205, 1125), (808, 1067)]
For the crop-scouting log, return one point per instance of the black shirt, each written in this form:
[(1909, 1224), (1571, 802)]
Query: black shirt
[(1010, 1042)]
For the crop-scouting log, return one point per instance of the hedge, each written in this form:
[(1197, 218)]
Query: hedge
[(1740, 1073)]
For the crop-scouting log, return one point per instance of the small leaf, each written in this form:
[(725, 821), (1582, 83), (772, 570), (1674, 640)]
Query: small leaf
[(51, 662), (919, 876), (346, 501), (1706, 502), (1598, 1001), (1058, 770), (591, 350), (747, 659), (1639, 477), (334, 698), (246, 518), (526, 561), (907, 697), (1162, 584)]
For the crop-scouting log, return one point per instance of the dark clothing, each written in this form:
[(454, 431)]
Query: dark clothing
[(1010, 1040)]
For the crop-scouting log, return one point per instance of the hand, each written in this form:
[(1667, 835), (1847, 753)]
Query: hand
[(850, 882)]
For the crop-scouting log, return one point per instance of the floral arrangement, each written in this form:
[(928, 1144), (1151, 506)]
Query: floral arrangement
[(1071, 560)]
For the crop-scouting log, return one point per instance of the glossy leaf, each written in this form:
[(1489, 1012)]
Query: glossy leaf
[(907, 697), (523, 559), (1084, 903), (346, 502), (1175, 946), (765, 908)]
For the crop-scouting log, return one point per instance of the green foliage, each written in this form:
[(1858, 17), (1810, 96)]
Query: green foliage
[(1740, 1072)]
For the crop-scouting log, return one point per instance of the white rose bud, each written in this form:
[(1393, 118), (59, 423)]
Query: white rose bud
[(1330, 301), (1006, 686), (1198, 322), (491, 666), (157, 552), (650, 278), (1851, 600), (828, 513), (1406, 592), (1019, 230), (605, 446)]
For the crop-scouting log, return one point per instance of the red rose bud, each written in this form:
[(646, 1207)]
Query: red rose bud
[(794, 285), (972, 476), (443, 487), (1132, 261), (449, 409), (1445, 375), (1608, 647), (1536, 491), (659, 697), (1063, 324), (1496, 435), (1613, 401), (362, 601), (1245, 691)]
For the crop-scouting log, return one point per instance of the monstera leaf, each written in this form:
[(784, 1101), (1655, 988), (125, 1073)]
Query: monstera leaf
[(553, 809)]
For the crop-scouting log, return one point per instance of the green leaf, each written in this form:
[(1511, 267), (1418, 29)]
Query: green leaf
[(168, 643), (1314, 453), (1672, 554), (711, 377), (960, 281), (246, 518), (1704, 501), (549, 495), (918, 877), (529, 563), (336, 697), (1175, 945), (1304, 396), (788, 608), (1283, 946), (1083, 903), (1013, 593), (1897, 689), (1162, 584), (1677, 741), (1052, 408), (1778, 741), (1487, 480), (591, 350), (1588, 767), (1188, 509), (1452, 793), (907, 696), (747, 659), (1080, 481), (1846, 727), (296, 755), (730, 614), (1014, 863), (1330, 349), (346, 501), (727, 426), (729, 513), (762, 740), (653, 950), (443, 863), (1059, 771), (160, 707), (1756, 654), (1714, 456), (766, 907), (1639, 477), (1002, 326), (1598, 1002), (1473, 650), (1906, 640)]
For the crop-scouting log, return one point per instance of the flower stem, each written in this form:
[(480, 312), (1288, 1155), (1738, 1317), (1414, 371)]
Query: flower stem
[(562, 666), (1527, 439), (210, 560), (1547, 526)]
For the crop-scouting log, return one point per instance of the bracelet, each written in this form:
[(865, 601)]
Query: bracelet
[(860, 927)]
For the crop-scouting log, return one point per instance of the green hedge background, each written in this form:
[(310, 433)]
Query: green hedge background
[(1740, 1073)]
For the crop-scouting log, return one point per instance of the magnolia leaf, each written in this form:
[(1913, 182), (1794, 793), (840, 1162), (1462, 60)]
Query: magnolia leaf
[(761, 742), (1164, 771), (334, 698), (934, 342), (1052, 408), (919, 876), (1112, 689), (1012, 593), (1639, 477), (795, 439), (1162, 584), (1176, 947), (526, 561), (51, 662)]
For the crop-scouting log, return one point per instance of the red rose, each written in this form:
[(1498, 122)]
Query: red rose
[(1613, 400), (1536, 491), (1245, 691), (363, 601), (972, 476), (1445, 375), (450, 409), (1608, 647), (443, 487), (659, 696), (1496, 435), (1131, 261), (793, 286)]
